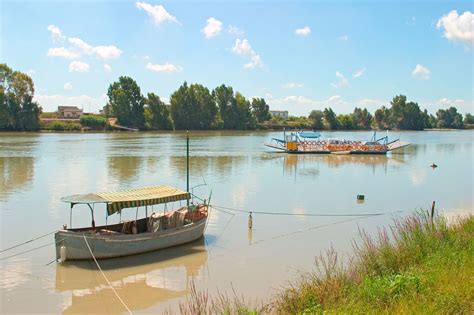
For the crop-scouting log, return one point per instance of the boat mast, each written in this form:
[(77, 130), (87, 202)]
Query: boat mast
[(187, 166)]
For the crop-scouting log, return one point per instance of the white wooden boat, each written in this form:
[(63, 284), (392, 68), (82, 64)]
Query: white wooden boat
[(153, 232)]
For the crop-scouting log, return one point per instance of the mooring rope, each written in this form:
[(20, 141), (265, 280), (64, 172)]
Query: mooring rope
[(33, 249), (28, 241), (103, 274), (304, 214)]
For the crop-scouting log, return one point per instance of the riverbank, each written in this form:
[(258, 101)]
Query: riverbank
[(418, 266)]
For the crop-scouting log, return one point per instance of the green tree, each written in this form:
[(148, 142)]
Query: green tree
[(260, 109), (406, 115), (127, 102), (383, 119), (345, 122), (160, 115), (245, 119), (192, 107), (361, 119), (331, 119), (449, 118), (17, 109), (316, 117), (227, 104), (469, 119)]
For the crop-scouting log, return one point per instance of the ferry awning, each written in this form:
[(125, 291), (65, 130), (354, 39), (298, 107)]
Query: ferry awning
[(130, 198)]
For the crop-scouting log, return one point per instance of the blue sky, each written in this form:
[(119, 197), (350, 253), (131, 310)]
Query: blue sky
[(299, 56)]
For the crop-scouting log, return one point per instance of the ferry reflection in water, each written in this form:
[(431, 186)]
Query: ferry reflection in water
[(142, 281), (309, 164)]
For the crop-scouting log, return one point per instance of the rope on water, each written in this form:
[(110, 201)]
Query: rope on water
[(28, 241), (103, 274), (303, 214), (27, 251)]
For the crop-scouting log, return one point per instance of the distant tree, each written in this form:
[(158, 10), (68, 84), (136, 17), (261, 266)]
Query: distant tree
[(449, 118), (127, 102), (406, 116), (383, 118), (245, 119), (225, 100), (330, 118), (469, 119), (361, 119), (160, 115), (192, 107), (260, 109), (345, 122), (17, 109), (316, 117), (427, 120)]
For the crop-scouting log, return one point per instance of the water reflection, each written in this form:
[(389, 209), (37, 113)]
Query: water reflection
[(16, 173), (141, 281), (309, 165), (124, 168), (220, 165)]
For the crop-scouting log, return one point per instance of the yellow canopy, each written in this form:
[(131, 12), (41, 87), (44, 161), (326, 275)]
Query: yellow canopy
[(130, 198)]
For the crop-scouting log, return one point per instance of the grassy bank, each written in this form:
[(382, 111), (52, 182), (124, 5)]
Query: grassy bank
[(417, 266)]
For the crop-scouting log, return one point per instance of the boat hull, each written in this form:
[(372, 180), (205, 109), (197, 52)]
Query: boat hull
[(111, 246)]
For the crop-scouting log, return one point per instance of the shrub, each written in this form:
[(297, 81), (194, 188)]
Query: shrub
[(92, 121)]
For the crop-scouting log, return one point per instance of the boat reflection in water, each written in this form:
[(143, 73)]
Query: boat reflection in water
[(142, 281)]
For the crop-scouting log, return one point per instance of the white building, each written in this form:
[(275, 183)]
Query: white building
[(69, 112)]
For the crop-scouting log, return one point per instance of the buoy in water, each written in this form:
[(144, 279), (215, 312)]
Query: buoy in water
[(360, 197), (250, 221), (433, 165)]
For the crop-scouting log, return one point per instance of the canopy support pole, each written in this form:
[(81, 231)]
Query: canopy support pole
[(92, 214), (70, 216)]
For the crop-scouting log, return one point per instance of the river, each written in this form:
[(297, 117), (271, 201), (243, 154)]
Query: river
[(37, 169)]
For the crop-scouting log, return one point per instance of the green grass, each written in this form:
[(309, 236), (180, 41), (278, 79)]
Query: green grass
[(418, 266)]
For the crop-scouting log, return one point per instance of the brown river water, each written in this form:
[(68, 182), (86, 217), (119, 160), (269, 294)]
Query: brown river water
[(36, 170)]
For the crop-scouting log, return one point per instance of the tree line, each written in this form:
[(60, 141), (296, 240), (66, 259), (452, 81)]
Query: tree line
[(195, 107), (192, 107)]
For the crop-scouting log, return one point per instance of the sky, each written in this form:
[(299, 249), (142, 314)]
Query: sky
[(298, 55)]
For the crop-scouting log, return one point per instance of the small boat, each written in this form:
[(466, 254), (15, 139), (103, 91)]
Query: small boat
[(310, 143), (153, 232)]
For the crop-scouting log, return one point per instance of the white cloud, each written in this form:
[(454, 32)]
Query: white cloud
[(291, 85), (167, 67), (304, 31), (84, 47), (56, 33), (334, 98), (62, 53), (344, 37), (234, 30), (421, 72), (343, 82), (102, 52), (358, 73), (78, 66), (157, 12), (107, 68), (68, 86), (243, 48), (31, 72), (107, 52), (212, 28), (458, 27), (50, 103)]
